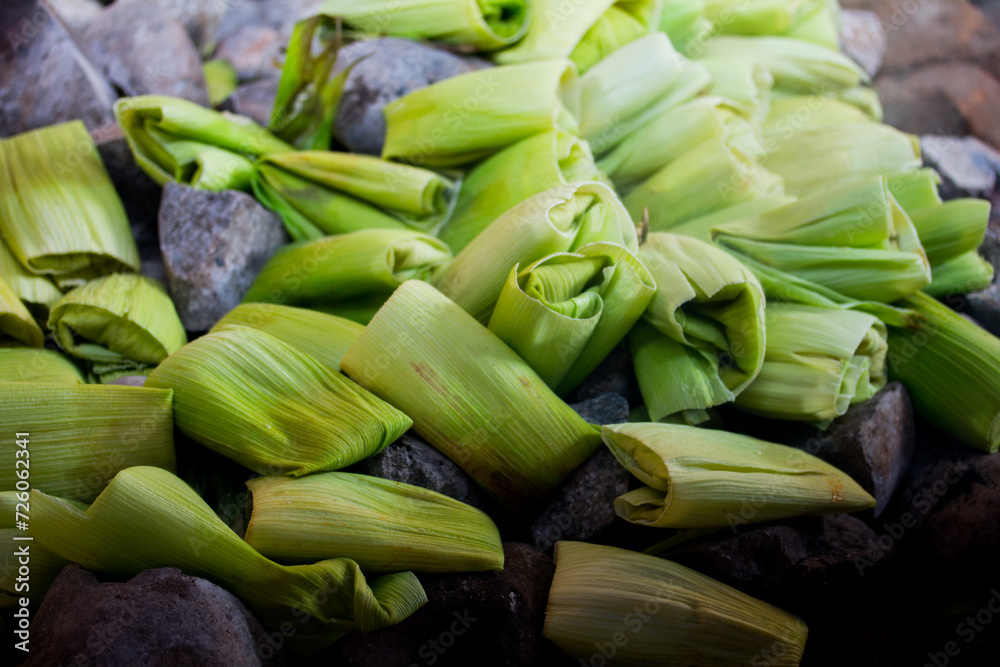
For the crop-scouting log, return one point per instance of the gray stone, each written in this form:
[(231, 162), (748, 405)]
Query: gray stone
[(200, 18), (614, 375), (606, 409), (76, 14), (130, 381), (214, 244), (968, 167), (391, 68), (862, 39), (44, 78), (159, 617), (253, 34), (254, 100), (143, 51)]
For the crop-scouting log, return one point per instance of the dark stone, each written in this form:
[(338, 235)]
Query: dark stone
[(253, 34), (984, 305), (606, 409), (253, 100), (214, 244), (862, 38), (614, 375), (76, 14), (200, 18), (968, 167), (159, 617)]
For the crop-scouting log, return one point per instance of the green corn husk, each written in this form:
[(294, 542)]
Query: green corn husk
[(961, 275), (818, 362), (28, 364), (470, 116), (124, 322), (707, 178), (564, 313), (819, 23), (854, 239), (59, 212), (324, 337), (744, 83), (249, 396), (623, 23), (915, 189), (382, 525), (81, 435), (700, 478), (953, 228), (649, 612), (37, 292), (174, 140), (149, 518), (864, 98), (470, 396), (17, 326), (798, 112), (686, 25), (506, 179), (949, 367), (561, 219), (760, 17), (317, 193), (701, 227), (703, 339), (341, 271), (221, 80)]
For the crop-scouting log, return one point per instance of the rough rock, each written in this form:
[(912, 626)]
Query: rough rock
[(130, 381), (76, 14), (862, 38), (44, 78), (614, 375), (391, 68), (606, 409), (253, 34), (254, 100), (159, 617), (984, 306), (968, 167), (143, 51), (214, 244), (200, 18)]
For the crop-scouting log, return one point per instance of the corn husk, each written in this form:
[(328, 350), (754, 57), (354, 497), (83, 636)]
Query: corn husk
[(760, 17), (470, 116), (382, 525), (744, 83), (560, 219), (702, 342), (38, 292), (263, 403), (17, 326), (564, 313), (59, 212), (701, 227), (514, 174), (124, 322), (798, 112), (818, 362), (341, 271), (484, 24), (819, 22), (700, 478), (916, 189), (952, 228), (470, 396), (28, 364), (221, 79), (708, 178), (148, 518), (949, 367), (81, 435), (686, 25), (317, 193), (174, 140), (960, 275), (644, 611), (324, 337), (864, 98)]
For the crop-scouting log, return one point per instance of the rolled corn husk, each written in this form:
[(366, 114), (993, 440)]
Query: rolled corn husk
[(149, 518), (791, 114), (702, 226), (324, 337), (628, 609), (952, 228), (703, 339), (949, 366), (28, 364), (470, 116), (701, 478), (470, 396), (337, 270), (317, 193), (915, 189), (174, 140), (59, 212), (124, 322), (560, 219), (263, 403), (960, 275), (685, 23), (17, 326), (761, 17), (818, 362), (506, 179), (564, 313), (80, 435), (382, 525), (38, 292), (819, 21)]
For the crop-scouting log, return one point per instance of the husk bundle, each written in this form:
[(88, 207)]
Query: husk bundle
[(29, 364), (17, 326), (744, 83), (37, 292), (961, 275)]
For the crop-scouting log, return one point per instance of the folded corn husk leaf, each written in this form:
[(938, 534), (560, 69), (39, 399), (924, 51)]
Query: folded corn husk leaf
[(961, 275), (744, 83), (707, 178), (149, 518), (506, 179), (701, 478), (818, 362), (17, 326), (382, 525), (317, 193), (760, 17), (221, 79), (915, 189), (702, 226), (81, 435), (564, 313), (263, 403), (797, 112), (560, 219), (341, 270), (952, 228), (818, 22), (485, 24), (124, 322), (702, 342), (669, 616), (28, 364), (470, 116), (324, 337), (470, 396), (176, 140), (854, 239), (949, 366), (38, 292), (59, 212), (685, 23)]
